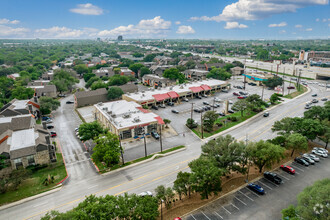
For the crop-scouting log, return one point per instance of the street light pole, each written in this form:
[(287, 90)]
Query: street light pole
[(121, 150), (262, 94), (192, 108), (202, 124), (213, 103), (160, 139)]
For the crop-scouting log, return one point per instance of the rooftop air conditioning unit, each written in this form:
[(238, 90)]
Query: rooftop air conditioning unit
[(113, 115), (110, 112), (100, 103), (126, 115), (105, 109)]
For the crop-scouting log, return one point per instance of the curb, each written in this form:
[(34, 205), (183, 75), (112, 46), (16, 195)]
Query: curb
[(144, 161), (248, 120), (55, 189), (67, 174)]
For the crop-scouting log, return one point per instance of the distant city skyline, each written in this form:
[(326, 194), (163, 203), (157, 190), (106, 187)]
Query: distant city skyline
[(171, 19)]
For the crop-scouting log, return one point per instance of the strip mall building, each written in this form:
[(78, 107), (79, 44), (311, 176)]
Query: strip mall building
[(176, 93)]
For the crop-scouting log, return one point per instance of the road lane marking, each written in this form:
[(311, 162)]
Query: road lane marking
[(245, 195), (226, 210), (234, 206), (240, 200), (205, 215), (218, 215), (92, 186), (40, 204), (297, 167)]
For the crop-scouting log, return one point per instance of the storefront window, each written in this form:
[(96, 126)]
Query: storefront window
[(125, 134)]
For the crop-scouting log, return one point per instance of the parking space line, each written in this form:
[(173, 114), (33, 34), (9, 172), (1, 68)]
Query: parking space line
[(234, 206), (283, 176), (297, 167), (253, 192), (297, 172), (240, 200), (205, 215), (218, 215), (226, 210), (193, 217), (245, 195), (265, 185), (270, 182)]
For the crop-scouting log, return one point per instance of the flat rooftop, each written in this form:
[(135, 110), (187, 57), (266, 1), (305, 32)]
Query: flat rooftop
[(22, 139)]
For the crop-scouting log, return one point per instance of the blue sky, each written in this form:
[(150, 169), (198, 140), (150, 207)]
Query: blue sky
[(203, 19)]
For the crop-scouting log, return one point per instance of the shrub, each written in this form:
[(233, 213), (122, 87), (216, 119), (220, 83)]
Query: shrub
[(233, 118)]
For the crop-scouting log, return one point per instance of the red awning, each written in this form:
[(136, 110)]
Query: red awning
[(160, 120), (196, 89), (161, 97), (173, 94), (143, 110), (206, 87)]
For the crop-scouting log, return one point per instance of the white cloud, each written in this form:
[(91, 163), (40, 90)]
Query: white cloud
[(178, 22), (258, 9), (234, 24), (309, 29), (317, 20), (87, 9), (282, 24), (58, 32), (6, 31), (282, 31), (298, 26), (155, 26), (7, 21), (185, 30), (325, 20)]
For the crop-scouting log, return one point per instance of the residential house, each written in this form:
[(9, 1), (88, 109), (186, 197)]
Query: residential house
[(157, 81), (208, 66), (45, 90), (126, 72), (236, 71), (85, 98), (21, 107), (159, 70), (195, 74), (104, 72)]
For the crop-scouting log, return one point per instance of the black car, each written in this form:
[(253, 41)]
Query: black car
[(301, 161), (224, 90), (239, 87), (315, 101), (273, 177), (69, 102), (324, 99), (50, 127), (155, 135), (266, 114), (175, 111), (170, 104), (314, 95), (207, 108), (154, 107), (222, 114), (198, 97), (206, 103), (231, 111), (197, 110)]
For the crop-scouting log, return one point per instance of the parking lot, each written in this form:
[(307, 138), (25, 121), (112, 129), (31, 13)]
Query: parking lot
[(246, 204)]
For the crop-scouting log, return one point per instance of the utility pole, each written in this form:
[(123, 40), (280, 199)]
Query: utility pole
[(160, 139), (121, 150), (202, 124), (213, 103), (192, 110), (262, 94), (277, 69), (298, 81)]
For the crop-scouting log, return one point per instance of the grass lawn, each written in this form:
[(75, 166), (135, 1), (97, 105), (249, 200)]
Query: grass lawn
[(33, 184), (104, 169), (302, 89), (229, 124)]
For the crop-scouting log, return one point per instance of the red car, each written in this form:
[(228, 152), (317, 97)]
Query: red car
[(288, 169), (241, 97), (53, 134), (177, 218), (291, 87), (235, 93)]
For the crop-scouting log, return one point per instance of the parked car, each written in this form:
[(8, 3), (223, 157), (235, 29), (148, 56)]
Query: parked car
[(48, 121), (313, 157), (290, 87), (198, 97), (206, 103), (314, 95), (273, 177), (241, 97), (308, 107), (185, 99), (69, 102), (175, 111), (222, 114), (288, 169), (155, 135), (315, 101), (204, 95), (45, 118), (154, 107), (320, 153), (53, 134), (324, 99), (230, 102), (162, 106), (177, 218), (61, 95), (76, 129), (243, 93), (170, 104), (308, 159), (321, 149), (197, 110), (256, 188), (239, 87), (301, 161), (217, 100), (50, 126), (224, 90), (266, 114), (236, 93), (231, 111), (147, 193)]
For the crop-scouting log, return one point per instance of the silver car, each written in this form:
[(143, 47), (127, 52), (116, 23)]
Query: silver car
[(313, 157), (308, 159), (321, 149), (320, 153)]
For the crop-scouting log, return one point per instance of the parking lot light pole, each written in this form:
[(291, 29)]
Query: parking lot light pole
[(121, 150), (160, 139), (145, 145), (202, 124), (192, 109)]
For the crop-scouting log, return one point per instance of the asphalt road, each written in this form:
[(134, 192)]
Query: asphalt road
[(246, 204), (84, 180)]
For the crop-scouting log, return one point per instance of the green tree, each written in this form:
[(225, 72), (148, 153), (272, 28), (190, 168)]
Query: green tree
[(255, 102), (264, 154), (218, 73), (136, 67), (182, 184), (289, 213), (114, 93), (326, 135), (174, 74), (117, 70), (107, 149), (89, 131), (191, 123), (137, 54), (98, 84), (3, 163), (262, 54), (296, 142), (238, 63), (165, 194), (205, 177), (21, 93), (215, 60), (91, 80), (317, 112), (81, 69), (208, 120), (285, 126), (87, 76), (48, 104), (149, 57), (167, 122), (118, 80), (274, 98), (309, 128), (190, 64), (144, 71), (64, 80), (241, 105), (228, 66), (273, 82)]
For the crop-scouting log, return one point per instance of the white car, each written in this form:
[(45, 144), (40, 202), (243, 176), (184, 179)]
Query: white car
[(320, 153), (321, 149), (147, 193), (313, 157)]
